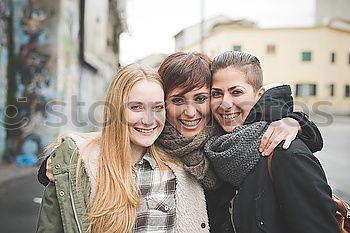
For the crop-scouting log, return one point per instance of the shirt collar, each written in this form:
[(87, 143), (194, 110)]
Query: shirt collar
[(148, 159)]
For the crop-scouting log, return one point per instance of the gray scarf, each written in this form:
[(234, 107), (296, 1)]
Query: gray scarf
[(235, 154), (190, 152)]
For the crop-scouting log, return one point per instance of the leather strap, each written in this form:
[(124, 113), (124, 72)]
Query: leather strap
[(269, 165), (343, 207)]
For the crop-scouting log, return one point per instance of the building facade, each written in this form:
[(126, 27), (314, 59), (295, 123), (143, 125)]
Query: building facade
[(315, 61), (57, 60)]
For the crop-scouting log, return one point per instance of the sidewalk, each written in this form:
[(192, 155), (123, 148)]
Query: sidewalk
[(11, 171)]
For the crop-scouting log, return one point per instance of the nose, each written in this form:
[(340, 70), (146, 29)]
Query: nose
[(190, 110), (148, 117), (227, 102)]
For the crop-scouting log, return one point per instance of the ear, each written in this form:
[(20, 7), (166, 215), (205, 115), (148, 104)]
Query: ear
[(261, 92)]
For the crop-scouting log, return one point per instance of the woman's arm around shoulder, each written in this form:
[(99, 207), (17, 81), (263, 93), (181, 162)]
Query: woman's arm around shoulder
[(309, 133)]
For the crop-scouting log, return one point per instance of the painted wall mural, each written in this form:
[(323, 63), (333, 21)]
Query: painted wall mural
[(41, 71), (34, 30), (3, 65)]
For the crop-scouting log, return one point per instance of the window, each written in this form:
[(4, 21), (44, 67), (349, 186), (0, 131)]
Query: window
[(306, 56), (333, 57), (305, 90), (331, 89), (237, 48), (270, 49), (347, 91)]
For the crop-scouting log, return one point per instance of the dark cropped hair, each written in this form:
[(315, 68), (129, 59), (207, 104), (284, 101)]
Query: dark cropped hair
[(245, 62), (187, 71)]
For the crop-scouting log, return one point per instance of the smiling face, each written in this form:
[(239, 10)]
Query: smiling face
[(189, 113), (232, 97), (145, 112)]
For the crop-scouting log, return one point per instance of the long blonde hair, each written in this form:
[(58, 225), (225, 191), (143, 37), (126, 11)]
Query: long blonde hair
[(113, 207)]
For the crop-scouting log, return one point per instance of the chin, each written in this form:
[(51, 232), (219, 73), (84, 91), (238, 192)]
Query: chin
[(190, 134), (145, 143), (229, 128)]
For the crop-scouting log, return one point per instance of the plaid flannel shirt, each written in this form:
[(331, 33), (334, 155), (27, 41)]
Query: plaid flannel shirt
[(158, 210)]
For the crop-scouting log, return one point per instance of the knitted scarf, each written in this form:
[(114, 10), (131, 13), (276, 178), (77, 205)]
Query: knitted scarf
[(190, 152), (235, 154)]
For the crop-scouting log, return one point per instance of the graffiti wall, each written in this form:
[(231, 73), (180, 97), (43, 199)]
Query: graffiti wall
[(49, 88), (3, 66), (68, 62), (35, 29), (81, 89)]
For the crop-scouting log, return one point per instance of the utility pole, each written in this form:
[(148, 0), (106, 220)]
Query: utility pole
[(202, 27)]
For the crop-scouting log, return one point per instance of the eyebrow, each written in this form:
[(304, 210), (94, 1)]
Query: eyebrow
[(229, 89), (202, 93), (139, 102), (159, 102), (234, 87), (176, 96), (135, 102)]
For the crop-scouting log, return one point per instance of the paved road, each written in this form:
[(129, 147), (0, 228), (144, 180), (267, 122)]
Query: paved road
[(18, 211), (335, 156)]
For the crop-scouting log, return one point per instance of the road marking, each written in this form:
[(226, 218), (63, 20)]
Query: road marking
[(37, 200)]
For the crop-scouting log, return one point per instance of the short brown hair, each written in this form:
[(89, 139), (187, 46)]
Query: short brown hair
[(185, 70), (245, 62)]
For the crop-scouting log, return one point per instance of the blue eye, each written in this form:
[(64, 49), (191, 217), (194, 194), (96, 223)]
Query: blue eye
[(236, 92), (178, 101), (136, 107), (216, 94), (201, 98), (159, 107)]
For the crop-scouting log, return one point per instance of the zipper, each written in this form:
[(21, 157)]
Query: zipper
[(71, 195), (75, 211), (232, 206)]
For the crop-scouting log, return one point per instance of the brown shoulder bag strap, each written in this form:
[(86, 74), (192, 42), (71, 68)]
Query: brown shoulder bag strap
[(269, 166)]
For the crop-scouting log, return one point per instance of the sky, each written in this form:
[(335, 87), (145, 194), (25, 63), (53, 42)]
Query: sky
[(152, 24)]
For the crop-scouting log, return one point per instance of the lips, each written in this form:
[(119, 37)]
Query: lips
[(145, 131), (190, 123), (230, 116)]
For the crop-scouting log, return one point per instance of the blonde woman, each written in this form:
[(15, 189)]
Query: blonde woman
[(117, 180)]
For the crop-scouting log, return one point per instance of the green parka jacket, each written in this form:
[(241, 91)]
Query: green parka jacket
[(64, 204)]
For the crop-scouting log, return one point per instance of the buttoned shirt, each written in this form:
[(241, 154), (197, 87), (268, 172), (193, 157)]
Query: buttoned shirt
[(157, 212)]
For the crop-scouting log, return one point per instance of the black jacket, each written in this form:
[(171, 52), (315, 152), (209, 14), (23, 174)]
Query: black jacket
[(298, 200)]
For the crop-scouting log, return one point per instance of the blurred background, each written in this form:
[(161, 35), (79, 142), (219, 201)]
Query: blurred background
[(58, 57)]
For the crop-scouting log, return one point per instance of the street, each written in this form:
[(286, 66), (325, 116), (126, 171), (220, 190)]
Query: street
[(18, 196), (18, 202), (335, 156)]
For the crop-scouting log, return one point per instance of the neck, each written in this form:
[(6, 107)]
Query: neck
[(137, 153)]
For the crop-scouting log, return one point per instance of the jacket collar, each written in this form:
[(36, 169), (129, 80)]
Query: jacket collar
[(272, 105), (89, 151)]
